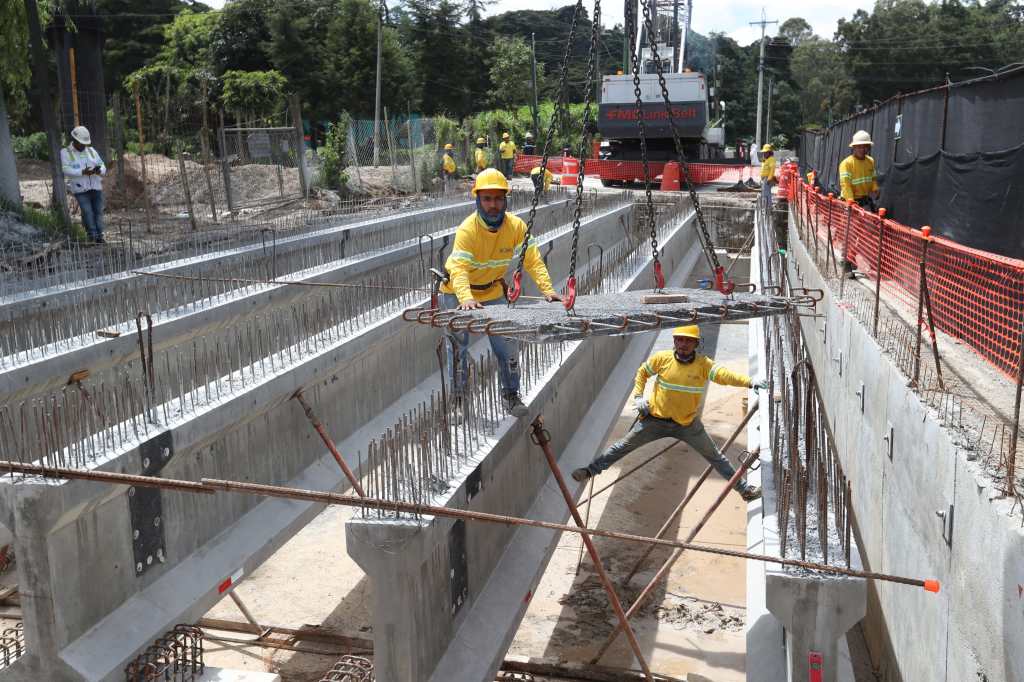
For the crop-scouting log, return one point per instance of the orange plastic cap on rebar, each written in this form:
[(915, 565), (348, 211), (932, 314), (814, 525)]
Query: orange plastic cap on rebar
[(931, 586), (926, 232), (881, 212)]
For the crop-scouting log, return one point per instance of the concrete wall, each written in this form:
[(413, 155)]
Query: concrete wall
[(421, 632), (71, 537), (974, 629)]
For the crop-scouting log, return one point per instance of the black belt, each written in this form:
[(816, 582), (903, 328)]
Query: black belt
[(485, 287)]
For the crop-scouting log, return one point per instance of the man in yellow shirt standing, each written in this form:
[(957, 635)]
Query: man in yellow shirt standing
[(681, 378), (767, 173), (486, 243), (507, 151), (448, 169), (480, 156), (857, 180)]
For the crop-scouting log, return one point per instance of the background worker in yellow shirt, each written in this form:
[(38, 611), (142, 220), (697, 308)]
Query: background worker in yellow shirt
[(507, 152), (857, 178), (479, 155), (681, 380), (448, 169), (486, 243), (767, 173)]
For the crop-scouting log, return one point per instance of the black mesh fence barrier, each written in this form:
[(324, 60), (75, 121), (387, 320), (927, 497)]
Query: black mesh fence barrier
[(951, 157)]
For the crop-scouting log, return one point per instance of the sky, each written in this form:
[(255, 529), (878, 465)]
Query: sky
[(731, 17)]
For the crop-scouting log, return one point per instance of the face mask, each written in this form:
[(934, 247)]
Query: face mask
[(685, 359), (492, 223)]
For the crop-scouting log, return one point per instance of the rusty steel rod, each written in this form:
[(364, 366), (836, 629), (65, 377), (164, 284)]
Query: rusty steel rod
[(276, 282), (689, 496), (541, 437), (213, 485), (878, 270), (318, 425), (665, 567)]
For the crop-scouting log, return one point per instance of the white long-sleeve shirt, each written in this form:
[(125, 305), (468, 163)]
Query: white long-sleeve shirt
[(74, 162)]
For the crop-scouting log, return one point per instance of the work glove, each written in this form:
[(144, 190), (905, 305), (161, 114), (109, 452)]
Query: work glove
[(641, 405), (761, 385)]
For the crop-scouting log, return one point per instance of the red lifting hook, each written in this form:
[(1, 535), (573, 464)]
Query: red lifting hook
[(517, 287), (570, 293), (659, 276), (720, 283)]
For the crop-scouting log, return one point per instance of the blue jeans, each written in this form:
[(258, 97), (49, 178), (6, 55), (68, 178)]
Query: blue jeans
[(766, 192), (507, 166), (650, 429), (505, 350), (91, 203)]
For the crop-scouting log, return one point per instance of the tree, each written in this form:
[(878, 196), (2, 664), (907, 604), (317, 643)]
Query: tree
[(511, 63), (440, 53), (254, 93), (15, 73), (797, 31), (242, 38), (187, 42), (827, 92), (298, 50)]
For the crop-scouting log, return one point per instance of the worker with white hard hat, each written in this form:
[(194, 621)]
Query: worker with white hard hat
[(767, 172), (486, 244), (681, 378), (857, 179), (84, 170), (528, 146)]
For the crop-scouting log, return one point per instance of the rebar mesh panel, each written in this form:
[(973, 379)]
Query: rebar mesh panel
[(350, 669), (610, 314)]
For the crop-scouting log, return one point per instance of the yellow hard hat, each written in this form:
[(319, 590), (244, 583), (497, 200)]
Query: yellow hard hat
[(449, 146), (490, 178), (504, 136), (767, 148), (691, 331), (861, 137), (480, 140)]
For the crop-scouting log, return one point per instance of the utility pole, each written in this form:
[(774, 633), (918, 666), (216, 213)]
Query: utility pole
[(760, 80), (597, 66), (381, 10), (627, 44), (533, 78), (768, 116)]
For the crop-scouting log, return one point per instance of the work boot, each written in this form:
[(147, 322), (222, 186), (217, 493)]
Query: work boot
[(751, 493), (514, 404), (582, 474)]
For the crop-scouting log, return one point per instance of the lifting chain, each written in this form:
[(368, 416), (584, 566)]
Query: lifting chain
[(570, 287), (705, 237), (516, 288), (631, 23)]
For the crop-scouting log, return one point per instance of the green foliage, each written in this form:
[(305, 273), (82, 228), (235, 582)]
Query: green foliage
[(187, 42), (332, 154), (242, 37), (827, 92), (257, 93), (511, 66), (33, 146)]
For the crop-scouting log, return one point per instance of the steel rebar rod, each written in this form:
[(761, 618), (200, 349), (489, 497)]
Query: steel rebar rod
[(213, 485), (278, 282), (541, 437), (663, 571), (322, 432)]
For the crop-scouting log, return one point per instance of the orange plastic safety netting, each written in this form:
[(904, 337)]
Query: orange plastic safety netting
[(977, 297)]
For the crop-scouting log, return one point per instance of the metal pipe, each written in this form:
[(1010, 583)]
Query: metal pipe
[(541, 437), (322, 432)]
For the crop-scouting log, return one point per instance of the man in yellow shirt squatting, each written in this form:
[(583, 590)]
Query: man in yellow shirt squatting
[(857, 180), (681, 380), (486, 243)]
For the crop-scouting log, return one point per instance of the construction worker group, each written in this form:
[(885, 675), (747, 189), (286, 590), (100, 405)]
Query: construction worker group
[(504, 160)]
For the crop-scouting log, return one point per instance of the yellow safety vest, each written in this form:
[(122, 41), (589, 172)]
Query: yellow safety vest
[(679, 387), (448, 164), (857, 177), (481, 159), (507, 149)]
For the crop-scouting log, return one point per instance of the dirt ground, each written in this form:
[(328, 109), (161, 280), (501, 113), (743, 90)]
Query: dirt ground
[(694, 623)]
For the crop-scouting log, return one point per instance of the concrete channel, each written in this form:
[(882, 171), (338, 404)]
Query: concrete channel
[(161, 556)]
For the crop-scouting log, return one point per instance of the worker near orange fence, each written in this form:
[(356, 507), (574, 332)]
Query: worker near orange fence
[(507, 154), (767, 172), (448, 169), (545, 184), (486, 243), (528, 146), (479, 155), (681, 379), (857, 179)]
